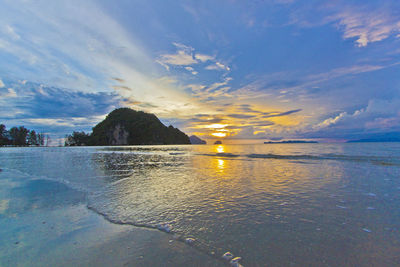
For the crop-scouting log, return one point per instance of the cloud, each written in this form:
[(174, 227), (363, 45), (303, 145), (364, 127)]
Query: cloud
[(118, 80), (191, 70), (240, 116), (364, 22), (217, 66), (204, 58), (248, 132), (40, 102), (279, 114), (367, 26), (292, 86), (10, 31), (185, 56), (1, 84), (7, 93), (181, 58), (377, 117)]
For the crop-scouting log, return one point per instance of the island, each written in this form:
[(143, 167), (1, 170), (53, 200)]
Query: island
[(194, 140), (218, 142), (125, 126), (292, 142)]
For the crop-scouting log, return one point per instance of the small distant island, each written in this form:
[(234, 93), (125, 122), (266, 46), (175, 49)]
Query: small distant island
[(125, 126), (194, 140), (292, 142), (218, 142)]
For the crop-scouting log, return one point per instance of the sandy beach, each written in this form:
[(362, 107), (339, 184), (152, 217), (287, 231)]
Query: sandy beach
[(45, 223)]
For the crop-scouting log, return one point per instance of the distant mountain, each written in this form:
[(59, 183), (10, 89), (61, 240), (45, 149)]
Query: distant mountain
[(194, 140), (292, 142), (125, 126), (375, 140)]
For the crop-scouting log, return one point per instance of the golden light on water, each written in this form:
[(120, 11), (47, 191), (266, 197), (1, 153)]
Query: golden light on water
[(220, 149), (221, 164)]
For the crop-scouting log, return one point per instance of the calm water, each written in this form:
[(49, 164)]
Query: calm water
[(275, 205)]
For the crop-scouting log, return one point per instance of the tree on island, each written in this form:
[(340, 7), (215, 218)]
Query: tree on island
[(77, 139), (4, 140), (20, 136), (125, 126), (40, 139), (32, 138)]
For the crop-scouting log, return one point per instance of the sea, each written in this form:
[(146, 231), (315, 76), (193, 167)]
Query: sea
[(335, 204)]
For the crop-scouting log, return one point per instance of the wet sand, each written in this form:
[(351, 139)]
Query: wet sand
[(45, 223)]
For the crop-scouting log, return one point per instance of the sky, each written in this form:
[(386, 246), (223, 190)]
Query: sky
[(230, 69)]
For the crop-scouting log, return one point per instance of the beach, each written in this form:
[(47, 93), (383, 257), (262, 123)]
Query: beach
[(273, 204), (45, 223)]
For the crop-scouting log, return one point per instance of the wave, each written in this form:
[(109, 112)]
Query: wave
[(306, 158), (197, 244), (228, 155), (190, 241), (385, 161)]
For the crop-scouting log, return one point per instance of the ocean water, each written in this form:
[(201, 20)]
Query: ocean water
[(272, 204)]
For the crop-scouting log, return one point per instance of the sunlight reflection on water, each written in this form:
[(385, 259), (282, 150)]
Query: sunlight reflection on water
[(298, 204)]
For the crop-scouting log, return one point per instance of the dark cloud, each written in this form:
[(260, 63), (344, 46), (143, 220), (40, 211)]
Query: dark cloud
[(147, 105), (51, 109), (118, 79), (213, 120), (270, 114), (37, 101), (262, 123), (122, 87), (202, 115), (240, 116)]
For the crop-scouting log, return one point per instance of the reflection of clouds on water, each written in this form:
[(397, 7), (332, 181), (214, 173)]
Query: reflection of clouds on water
[(223, 199), (4, 205)]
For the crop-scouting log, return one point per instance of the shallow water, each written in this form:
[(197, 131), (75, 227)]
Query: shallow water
[(276, 204)]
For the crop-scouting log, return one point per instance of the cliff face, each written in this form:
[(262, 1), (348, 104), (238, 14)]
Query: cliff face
[(118, 135), (125, 126), (194, 140)]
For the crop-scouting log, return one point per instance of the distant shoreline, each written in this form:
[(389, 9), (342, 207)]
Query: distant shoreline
[(292, 142)]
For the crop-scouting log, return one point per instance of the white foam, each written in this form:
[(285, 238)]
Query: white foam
[(235, 262), (165, 227), (189, 240), (227, 256)]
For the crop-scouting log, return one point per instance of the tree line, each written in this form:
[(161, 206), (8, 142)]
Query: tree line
[(21, 136)]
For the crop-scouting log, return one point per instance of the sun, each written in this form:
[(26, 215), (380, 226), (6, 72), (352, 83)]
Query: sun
[(219, 134)]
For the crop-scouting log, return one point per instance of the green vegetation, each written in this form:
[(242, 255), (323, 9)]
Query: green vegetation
[(78, 139), (125, 126), (20, 136)]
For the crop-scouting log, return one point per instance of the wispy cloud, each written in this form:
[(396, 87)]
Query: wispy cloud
[(204, 58), (183, 57), (366, 25), (7, 93), (186, 56), (217, 66), (7, 29)]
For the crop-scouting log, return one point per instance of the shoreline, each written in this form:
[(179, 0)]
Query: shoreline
[(47, 223)]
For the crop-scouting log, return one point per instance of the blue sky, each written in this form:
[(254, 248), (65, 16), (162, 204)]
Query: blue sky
[(273, 69)]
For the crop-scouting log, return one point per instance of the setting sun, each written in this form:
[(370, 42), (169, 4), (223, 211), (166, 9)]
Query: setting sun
[(216, 126), (219, 134)]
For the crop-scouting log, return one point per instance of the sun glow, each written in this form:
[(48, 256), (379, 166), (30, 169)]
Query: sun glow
[(216, 126), (219, 134), (220, 149)]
